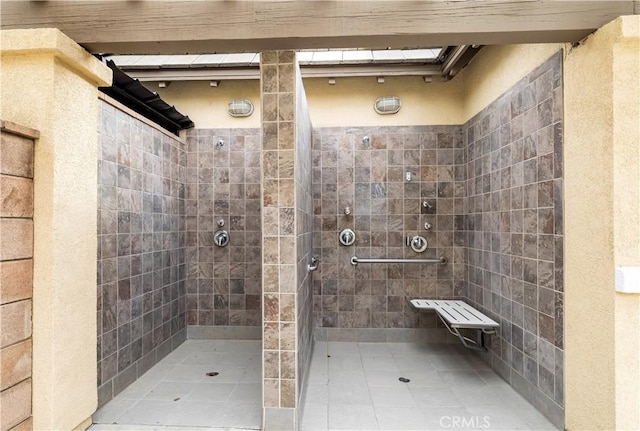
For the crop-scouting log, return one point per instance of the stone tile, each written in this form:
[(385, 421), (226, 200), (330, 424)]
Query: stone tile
[(16, 239), (15, 361), (16, 197), (269, 75), (17, 155), (271, 392), (287, 365), (271, 364), (286, 77), (16, 404), (286, 56), (16, 322), (315, 418), (270, 107), (271, 308), (26, 425), (287, 336), (16, 280), (286, 107), (288, 393)]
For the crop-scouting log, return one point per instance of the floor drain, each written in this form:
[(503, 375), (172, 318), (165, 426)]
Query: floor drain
[(404, 380), (213, 374)]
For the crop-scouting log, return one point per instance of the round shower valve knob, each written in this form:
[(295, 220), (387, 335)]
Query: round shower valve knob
[(221, 238), (347, 237), (418, 244)]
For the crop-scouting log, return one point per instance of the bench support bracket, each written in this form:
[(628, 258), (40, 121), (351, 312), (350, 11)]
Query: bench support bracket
[(477, 344)]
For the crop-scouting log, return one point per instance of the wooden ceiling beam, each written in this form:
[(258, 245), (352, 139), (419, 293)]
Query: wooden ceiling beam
[(176, 27)]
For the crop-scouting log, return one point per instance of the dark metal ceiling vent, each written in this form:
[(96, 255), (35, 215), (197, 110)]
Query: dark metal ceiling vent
[(131, 93)]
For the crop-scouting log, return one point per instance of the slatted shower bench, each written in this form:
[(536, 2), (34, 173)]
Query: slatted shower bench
[(457, 315)]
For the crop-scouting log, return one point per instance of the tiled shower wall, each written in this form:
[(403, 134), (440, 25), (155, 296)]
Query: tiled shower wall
[(514, 232), (141, 254), (224, 284), (365, 170), (304, 235)]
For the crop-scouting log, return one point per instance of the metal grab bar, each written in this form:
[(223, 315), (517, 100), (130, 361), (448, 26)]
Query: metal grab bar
[(356, 260)]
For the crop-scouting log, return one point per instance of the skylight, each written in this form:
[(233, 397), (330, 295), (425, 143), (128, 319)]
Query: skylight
[(325, 57), (363, 56), (443, 62)]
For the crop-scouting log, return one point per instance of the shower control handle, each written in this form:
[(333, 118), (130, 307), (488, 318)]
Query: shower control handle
[(418, 244), (347, 237), (221, 238)]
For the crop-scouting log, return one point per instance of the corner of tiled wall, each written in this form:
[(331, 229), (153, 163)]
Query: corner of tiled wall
[(141, 247), (223, 185), (515, 235)]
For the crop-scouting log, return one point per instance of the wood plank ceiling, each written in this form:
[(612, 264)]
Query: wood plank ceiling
[(178, 27)]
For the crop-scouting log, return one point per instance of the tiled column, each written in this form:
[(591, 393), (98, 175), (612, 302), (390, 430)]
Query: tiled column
[(16, 274), (49, 83), (277, 70)]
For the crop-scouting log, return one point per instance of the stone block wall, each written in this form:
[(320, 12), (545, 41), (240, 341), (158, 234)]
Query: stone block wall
[(16, 275)]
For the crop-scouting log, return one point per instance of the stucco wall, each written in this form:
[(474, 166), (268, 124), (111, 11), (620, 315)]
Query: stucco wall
[(495, 70), (602, 96), (347, 103), (626, 209), (49, 84), (207, 106), (350, 101), (589, 156)]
